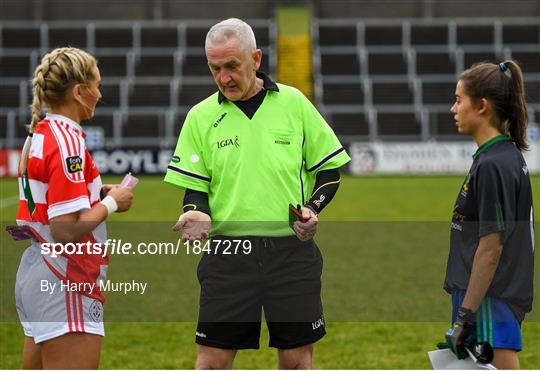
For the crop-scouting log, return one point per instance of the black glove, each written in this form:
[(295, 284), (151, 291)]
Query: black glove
[(461, 333)]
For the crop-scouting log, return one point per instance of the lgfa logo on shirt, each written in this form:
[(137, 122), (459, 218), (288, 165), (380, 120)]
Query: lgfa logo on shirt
[(228, 142)]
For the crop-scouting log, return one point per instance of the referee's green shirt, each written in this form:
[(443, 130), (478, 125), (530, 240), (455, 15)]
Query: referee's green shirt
[(253, 168)]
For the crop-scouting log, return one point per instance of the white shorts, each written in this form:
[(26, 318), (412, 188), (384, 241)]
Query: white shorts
[(46, 313)]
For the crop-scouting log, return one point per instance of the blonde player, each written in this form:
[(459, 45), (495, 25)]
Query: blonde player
[(58, 299)]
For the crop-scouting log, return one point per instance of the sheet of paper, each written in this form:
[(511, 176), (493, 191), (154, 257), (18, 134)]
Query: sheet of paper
[(444, 359)]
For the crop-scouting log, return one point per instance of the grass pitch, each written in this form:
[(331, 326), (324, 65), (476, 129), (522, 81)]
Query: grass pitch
[(381, 237)]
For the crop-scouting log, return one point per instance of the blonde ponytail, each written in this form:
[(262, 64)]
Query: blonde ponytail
[(58, 70)]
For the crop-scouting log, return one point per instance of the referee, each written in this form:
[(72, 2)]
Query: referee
[(244, 154), (490, 265)]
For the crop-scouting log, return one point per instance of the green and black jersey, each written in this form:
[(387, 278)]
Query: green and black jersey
[(253, 167), (495, 197)]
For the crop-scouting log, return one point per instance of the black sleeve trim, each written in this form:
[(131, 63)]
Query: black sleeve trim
[(188, 174), (326, 159)]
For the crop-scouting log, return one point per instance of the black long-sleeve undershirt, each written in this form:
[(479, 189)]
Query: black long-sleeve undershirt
[(325, 188), (196, 200)]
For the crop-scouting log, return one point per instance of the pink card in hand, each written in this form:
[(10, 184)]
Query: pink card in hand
[(129, 181)]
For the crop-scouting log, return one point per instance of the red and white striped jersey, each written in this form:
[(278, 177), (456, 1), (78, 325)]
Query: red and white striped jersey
[(63, 179)]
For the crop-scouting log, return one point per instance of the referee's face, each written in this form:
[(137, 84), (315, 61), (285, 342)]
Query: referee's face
[(233, 68)]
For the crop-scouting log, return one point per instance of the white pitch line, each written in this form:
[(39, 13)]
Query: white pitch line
[(9, 201)]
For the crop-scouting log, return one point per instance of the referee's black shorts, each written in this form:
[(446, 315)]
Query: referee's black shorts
[(281, 275)]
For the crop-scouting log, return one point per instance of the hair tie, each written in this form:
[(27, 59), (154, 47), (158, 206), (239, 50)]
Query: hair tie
[(503, 66)]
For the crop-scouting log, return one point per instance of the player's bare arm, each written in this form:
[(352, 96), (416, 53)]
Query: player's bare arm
[(81, 223), (484, 266)]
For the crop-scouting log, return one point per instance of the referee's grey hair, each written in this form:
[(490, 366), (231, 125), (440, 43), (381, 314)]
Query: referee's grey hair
[(223, 31)]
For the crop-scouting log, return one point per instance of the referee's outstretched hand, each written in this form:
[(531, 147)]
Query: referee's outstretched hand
[(195, 225), (307, 229)]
